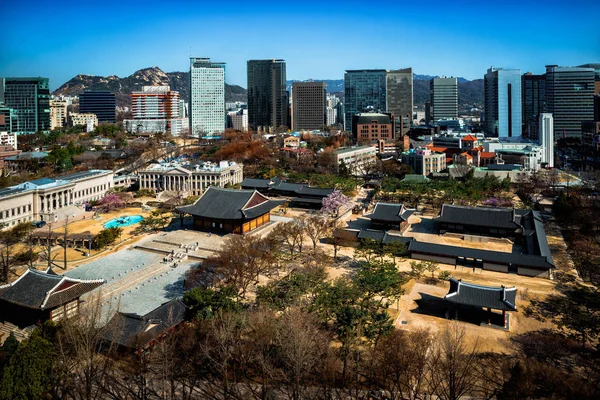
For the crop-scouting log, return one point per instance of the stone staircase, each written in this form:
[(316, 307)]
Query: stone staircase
[(6, 328)]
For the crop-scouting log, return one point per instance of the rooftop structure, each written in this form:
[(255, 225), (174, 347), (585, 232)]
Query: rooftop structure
[(137, 332), (389, 216), (303, 195), (496, 298)]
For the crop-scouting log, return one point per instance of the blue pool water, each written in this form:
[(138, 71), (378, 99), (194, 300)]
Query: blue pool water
[(123, 221)]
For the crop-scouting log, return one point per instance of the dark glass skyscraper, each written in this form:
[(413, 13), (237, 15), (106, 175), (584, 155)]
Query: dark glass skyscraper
[(570, 98), (101, 102), (534, 102), (268, 103), (29, 98), (364, 90)]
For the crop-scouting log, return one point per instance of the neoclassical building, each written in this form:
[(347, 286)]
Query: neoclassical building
[(190, 178), (40, 198)]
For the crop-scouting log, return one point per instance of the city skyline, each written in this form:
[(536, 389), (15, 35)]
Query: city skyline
[(120, 38)]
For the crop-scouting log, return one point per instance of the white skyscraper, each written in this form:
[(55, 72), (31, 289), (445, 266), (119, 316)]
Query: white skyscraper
[(207, 97), (546, 138)]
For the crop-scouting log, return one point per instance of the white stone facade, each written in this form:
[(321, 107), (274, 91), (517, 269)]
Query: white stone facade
[(190, 179), (357, 159), (39, 199)]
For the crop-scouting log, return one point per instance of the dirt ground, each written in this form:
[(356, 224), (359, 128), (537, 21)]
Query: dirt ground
[(408, 315), (423, 229)]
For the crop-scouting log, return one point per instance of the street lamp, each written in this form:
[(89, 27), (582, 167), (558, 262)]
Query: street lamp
[(89, 245)]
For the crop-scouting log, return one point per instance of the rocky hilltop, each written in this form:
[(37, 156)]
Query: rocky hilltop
[(154, 76)]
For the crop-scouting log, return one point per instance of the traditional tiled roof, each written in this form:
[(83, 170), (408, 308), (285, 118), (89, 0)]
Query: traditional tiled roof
[(219, 203), (256, 183), (498, 257), (491, 217), (133, 331), (390, 212), (469, 138), (312, 191), (45, 290), (497, 298), (278, 185)]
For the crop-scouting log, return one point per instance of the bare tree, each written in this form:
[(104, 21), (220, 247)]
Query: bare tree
[(301, 347), (9, 238), (64, 242), (315, 227), (452, 364), (400, 364), (80, 345), (47, 252)]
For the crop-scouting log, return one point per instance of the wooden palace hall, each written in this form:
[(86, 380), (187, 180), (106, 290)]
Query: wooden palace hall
[(39, 296), (230, 210)]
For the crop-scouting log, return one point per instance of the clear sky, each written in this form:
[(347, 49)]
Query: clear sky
[(318, 39)]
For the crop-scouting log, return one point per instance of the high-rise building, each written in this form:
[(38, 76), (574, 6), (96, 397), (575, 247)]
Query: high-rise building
[(503, 102), (155, 109), (58, 113), (238, 119), (399, 97), (268, 103), (207, 97), (309, 105), (29, 98), (99, 102), (546, 138), (379, 90), (533, 96), (8, 119), (444, 98), (570, 98), (332, 118), (364, 90)]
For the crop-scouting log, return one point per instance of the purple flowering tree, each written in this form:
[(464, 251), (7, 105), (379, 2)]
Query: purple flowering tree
[(333, 202), (111, 201)]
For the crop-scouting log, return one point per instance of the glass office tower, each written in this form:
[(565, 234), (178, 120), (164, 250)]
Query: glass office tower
[(29, 98), (534, 102), (444, 98), (207, 97), (100, 102), (503, 102), (364, 89), (268, 99), (570, 98)]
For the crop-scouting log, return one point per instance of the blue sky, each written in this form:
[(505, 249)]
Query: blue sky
[(318, 39)]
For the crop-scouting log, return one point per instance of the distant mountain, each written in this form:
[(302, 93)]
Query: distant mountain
[(122, 87)]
